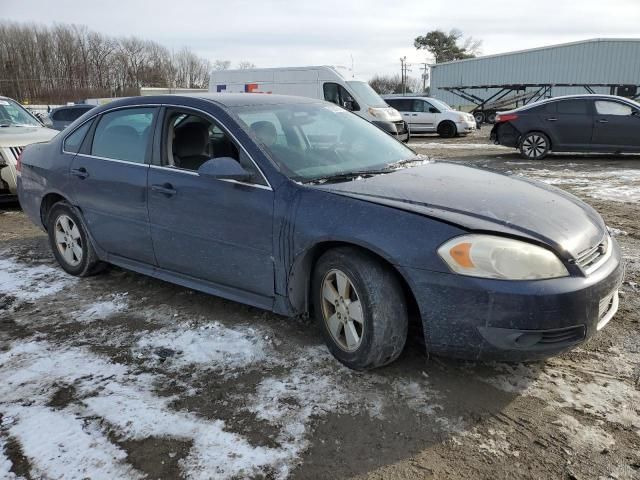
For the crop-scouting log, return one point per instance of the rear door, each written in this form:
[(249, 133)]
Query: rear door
[(109, 181), (569, 123), (617, 125)]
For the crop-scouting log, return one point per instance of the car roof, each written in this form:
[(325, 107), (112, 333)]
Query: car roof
[(222, 99), (73, 107), (586, 96), (399, 95)]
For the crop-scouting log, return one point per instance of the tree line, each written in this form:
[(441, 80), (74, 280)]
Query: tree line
[(63, 63)]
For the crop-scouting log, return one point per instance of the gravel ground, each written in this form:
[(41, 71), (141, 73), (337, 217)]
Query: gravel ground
[(124, 376)]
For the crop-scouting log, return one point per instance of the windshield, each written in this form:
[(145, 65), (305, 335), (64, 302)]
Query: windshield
[(315, 141), (12, 114), (367, 94), (440, 104)]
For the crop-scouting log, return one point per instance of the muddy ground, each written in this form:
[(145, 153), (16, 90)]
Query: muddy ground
[(123, 376)]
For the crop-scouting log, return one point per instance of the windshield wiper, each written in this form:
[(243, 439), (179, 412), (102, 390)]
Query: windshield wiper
[(406, 161), (345, 176)]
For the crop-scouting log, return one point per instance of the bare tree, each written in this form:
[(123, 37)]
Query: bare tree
[(221, 64)]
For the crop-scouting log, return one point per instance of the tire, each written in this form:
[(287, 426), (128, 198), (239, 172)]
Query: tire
[(70, 242), (479, 116), (491, 117), (535, 146), (447, 129), (380, 336)]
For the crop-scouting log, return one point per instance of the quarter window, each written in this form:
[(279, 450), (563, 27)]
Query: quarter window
[(73, 142), (124, 134), (613, 108)]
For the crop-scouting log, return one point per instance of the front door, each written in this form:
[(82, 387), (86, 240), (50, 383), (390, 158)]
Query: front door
[(218, 231), (109, 182), (425, 116), (616, 125)]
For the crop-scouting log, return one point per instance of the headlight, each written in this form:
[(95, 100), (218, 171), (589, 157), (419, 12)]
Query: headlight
[(461, 117), (489, 256)]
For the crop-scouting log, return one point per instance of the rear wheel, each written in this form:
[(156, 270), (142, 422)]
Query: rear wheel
[(447, 129), (70, 242), (361, 308), (479, 116), (491, 117), (535, 146)]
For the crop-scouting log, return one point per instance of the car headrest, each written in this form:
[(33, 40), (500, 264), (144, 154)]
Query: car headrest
[(191, 139), (265, 131)]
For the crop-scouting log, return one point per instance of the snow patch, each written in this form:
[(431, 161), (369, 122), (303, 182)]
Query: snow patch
[(211, 346), (5, 463), (495, 443), (614, 185), (458, 146), (584, 437), (104, 308), (28, 283), (60, 445), (609, 394), (126, 400)]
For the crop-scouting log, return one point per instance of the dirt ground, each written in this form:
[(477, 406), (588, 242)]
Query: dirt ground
[(124, 376)]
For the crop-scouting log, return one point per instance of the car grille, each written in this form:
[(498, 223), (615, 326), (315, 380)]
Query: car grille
[(607, 308), (591, 258)]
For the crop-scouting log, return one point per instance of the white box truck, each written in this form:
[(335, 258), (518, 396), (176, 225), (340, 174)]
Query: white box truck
[(323, 83)]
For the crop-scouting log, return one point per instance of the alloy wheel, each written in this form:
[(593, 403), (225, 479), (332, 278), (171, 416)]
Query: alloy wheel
[(68, 240), (342, 310), (534, 146)]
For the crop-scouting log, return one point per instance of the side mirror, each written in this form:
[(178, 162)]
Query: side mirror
[(433, 110), (224, 168)]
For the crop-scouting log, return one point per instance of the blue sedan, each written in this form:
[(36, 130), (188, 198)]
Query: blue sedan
[(300, 207)]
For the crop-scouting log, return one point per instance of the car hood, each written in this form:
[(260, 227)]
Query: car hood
[(21, 136), (478, 199)]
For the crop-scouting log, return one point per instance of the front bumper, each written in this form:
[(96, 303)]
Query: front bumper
[(397, 129), (487, 319), (466, 126)]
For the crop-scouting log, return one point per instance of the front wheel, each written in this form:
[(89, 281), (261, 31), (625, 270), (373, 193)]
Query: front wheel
[(447, 129), (70, 242), (361, 308), (535, 146)]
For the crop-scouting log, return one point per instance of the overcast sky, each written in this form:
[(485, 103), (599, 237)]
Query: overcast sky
[(375, 33)]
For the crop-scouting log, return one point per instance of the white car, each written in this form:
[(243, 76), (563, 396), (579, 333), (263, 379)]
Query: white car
[(427, 115), (18, 128)]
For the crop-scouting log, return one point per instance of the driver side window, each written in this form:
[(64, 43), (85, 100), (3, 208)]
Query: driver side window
[(192, 139)]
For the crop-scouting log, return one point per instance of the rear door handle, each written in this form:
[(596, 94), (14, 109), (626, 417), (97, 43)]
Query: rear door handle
[(166, 189), (603, 121), (552, 119), (81, 173)]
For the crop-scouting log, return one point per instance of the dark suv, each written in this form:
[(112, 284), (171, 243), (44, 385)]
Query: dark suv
[(577, 123)]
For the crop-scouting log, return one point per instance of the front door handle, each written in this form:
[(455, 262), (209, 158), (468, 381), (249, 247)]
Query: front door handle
[(166, 189), (81, 173), (602, 120), (552, 119)]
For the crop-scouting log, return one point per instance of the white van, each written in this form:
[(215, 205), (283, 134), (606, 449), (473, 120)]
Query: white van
[(426, 115), (323, 83)]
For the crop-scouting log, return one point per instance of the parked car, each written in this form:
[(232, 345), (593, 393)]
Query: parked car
[(297, 206), (319, 82), (61, 117), (429, 115), (18, 128), (575, 123)]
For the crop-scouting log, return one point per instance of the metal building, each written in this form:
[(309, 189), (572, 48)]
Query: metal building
[(599, 65)]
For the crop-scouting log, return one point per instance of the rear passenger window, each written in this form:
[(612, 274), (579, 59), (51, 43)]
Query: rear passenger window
[(73, 142), (124, 134), (573, 107), (402, 104)]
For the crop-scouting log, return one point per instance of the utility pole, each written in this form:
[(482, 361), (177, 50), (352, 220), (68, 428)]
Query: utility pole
[(425, 75), (403, 72)]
